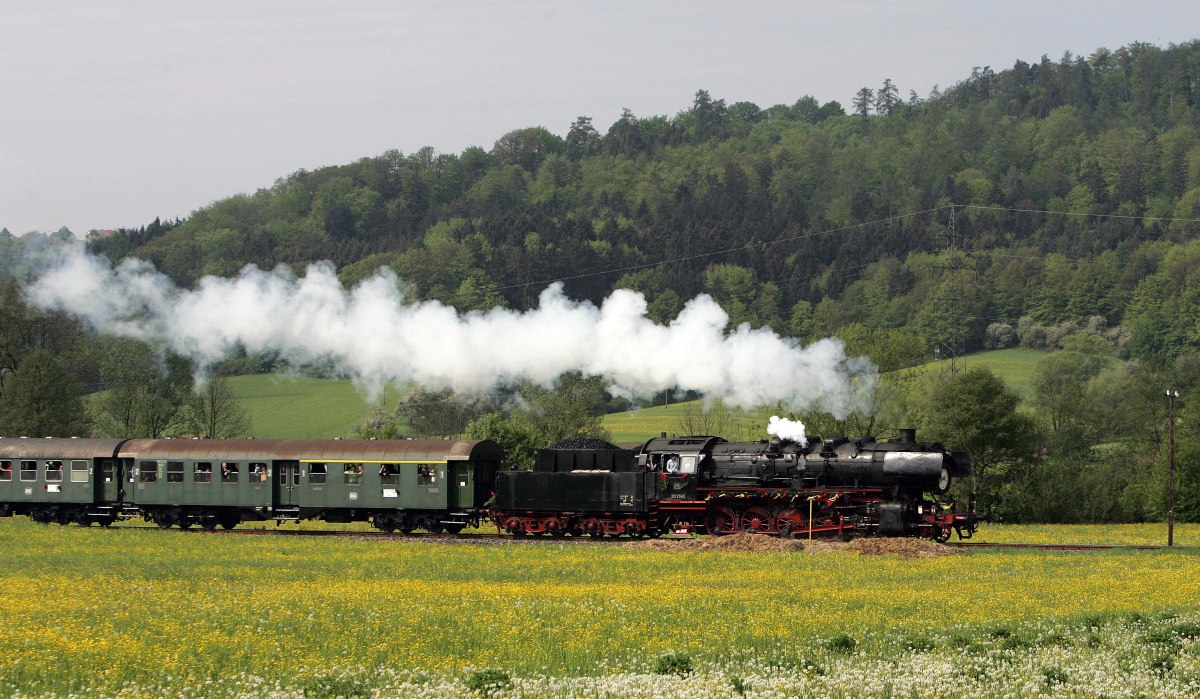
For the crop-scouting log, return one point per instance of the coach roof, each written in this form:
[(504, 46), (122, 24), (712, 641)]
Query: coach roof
[(58, 448), (366, 450)]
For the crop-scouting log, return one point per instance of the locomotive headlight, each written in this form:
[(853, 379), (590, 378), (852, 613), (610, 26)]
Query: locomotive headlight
[(920, 510)]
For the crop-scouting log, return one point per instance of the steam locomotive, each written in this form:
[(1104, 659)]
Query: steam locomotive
[(834, 487), (696, 484)]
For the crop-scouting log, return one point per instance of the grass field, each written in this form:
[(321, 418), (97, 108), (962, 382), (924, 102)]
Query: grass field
[(1014, 366), (141, 612), (639, 425), (305, 407), (302, 407)]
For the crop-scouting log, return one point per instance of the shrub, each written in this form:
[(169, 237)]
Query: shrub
[(1054, 676), (488, 680), (674, 664), (841, 644), (331, 687)]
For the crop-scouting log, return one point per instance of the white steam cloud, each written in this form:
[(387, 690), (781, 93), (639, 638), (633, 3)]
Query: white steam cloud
[(787, 429), (376, 336)]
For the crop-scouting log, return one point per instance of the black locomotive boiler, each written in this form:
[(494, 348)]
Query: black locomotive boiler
[(834, 487)]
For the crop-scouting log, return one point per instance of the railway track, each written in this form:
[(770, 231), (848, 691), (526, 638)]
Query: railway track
[(474, 538), (480, 538)]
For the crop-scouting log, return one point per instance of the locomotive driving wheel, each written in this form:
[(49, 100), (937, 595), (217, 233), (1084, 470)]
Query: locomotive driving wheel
[(756, 520), (556, 527), (791, 521), (721, 520)]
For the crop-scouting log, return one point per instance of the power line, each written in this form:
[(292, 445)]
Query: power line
[(955, 233), (726, 251), (1127, 217)]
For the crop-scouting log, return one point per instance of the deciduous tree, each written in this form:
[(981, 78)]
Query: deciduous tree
[(147, 391), (42, 399), (974, 411), (215, 412)]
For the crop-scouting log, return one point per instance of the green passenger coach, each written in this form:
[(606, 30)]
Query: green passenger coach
[(60, 480), (437, 485)]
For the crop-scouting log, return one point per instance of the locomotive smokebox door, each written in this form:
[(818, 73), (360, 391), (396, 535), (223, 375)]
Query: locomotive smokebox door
[(891, 519)]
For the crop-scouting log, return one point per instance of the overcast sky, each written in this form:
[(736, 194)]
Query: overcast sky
[(113, 113)]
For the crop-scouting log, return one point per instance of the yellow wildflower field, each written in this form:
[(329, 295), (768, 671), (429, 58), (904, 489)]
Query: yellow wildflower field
[(1151, 534), (91, 611)]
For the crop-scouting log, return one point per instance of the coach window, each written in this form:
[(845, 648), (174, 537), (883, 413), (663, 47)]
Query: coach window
[(79, 471), (258, 472), (202, 472), (174, 471), (148, 472), (5, 470), (316, 474), (29, 470), (426, 475), (109, 471), (389, 474), (229, 472), (353, 474), (53, 471)]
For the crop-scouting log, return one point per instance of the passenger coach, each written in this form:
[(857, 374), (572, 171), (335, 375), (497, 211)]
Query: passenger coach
[(437, 485), (61, 480), (396, 484)]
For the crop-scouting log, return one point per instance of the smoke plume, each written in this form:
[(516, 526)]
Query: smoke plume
[(787, 429), (375, 335)]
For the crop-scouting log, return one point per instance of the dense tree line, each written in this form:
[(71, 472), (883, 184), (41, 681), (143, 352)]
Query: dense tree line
[(925, 215), (1052, 205)]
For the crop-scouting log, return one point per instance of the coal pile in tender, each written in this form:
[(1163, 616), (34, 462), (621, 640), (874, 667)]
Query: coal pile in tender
[(584, 443)]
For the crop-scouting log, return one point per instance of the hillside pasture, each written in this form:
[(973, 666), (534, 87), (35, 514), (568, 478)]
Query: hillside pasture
[(1015, 367), (303, 407)]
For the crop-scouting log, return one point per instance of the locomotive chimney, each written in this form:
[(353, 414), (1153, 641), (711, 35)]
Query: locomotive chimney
[(908, 435)]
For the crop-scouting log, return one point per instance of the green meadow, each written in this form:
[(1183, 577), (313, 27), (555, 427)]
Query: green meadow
[(302, 407), (311, 408)]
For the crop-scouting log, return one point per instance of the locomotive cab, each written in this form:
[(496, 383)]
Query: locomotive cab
[(679, 464)]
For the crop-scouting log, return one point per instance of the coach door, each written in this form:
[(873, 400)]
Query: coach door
[(108, 480), (287, 483), (463, 483)]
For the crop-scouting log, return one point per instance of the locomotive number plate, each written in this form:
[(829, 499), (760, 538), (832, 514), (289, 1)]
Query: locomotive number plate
[(626, 501)]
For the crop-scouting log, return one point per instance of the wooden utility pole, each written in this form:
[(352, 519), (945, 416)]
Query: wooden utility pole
[(1171, 395)]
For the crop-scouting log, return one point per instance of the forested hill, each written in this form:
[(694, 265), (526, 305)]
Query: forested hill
[(925, 217)]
